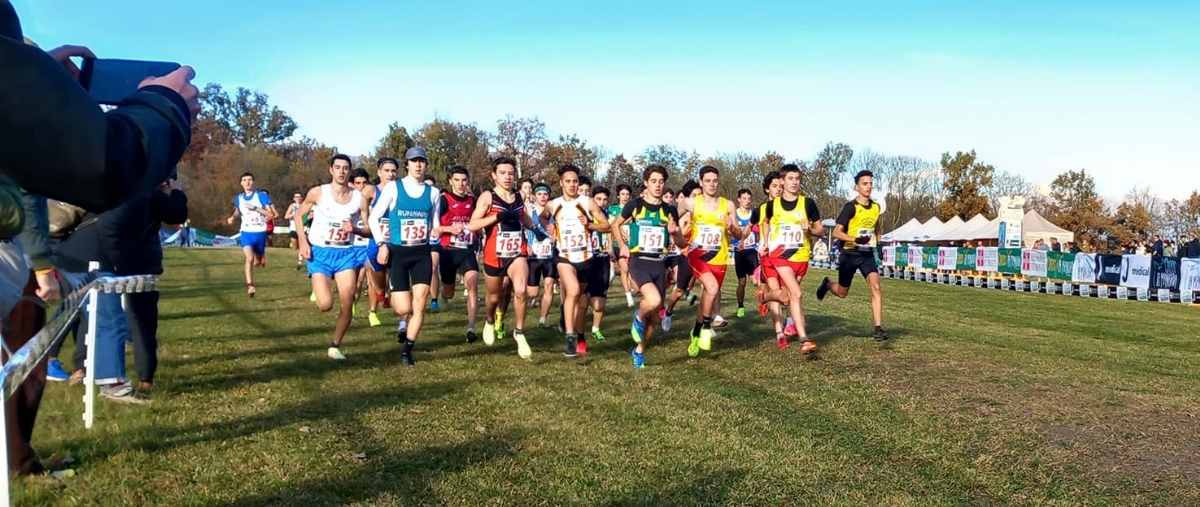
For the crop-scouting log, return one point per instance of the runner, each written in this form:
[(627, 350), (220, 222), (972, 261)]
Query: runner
[(599, 273), (713, 223), (575, 216), (860, 217), (620, 265), (411, 210), (457, 243), (773, 188), (435, 251), (527, 189), (332, 259), (542, 273), (500, 213), (644, 243), (292, 214), (361, 181), (745, 258), (377, 283), (676, 261), (789, 220), (585, 186), (254, 207)]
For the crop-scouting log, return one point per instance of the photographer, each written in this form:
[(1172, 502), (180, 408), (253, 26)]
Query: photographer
[(59, 144)]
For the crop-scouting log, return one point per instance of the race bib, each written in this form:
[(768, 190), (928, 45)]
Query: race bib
[(414, 232), (708, 237), (335, 236), (542, 249), (508, 244), (870, 233), (572, 238), (464, 239), (253, 219), (652, 238), (790, 236), (750, 241), (387, 230)]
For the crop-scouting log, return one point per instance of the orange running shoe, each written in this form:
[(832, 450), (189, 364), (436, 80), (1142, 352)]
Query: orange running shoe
[(808, 347), (782, 340), (581, 346)]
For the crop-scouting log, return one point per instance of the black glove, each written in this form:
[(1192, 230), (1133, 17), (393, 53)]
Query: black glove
[(540, 235), (863, 240)]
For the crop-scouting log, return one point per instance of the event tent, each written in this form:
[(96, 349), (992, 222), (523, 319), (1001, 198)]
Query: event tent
[(965, 230), (1033, 228), (902, 233)]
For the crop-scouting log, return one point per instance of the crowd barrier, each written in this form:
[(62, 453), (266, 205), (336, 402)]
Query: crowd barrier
[(1138, 277), (21, 363)]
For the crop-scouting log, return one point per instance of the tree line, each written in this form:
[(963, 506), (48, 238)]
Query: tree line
[(241, 131)]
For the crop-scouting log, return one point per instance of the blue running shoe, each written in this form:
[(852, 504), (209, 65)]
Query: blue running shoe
[(55, 371), (639, 360), (637, 330), (433, 306)]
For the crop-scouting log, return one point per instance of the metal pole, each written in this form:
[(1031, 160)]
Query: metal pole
[(89, 380)]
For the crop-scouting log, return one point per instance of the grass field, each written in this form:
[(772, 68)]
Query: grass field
[(984, 398)]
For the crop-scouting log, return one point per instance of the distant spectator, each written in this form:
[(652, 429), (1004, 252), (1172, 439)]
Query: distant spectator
[(1041, 245), (1054, 245), (1157, 248), (1193, 246), (1168, 248), (1072, 247)]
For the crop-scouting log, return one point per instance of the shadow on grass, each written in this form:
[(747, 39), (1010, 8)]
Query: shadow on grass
[(208, 313), (312, 365), (707, 489), (158, 439), (405, 478)]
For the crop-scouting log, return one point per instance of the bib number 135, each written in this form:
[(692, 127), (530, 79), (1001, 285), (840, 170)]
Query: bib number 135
[(414, 232)]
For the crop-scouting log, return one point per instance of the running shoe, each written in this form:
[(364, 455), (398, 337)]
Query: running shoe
[(581, 345), (489, 334), (790, 330), (692, 300), (823, 289), (407, 359), (781, 340), (298, 266), (741, 313), (694, 346), (523, 349), (335, 354), (719, 322), (598, 335), (472, 337), (373, 318), (433, 306), (808, 346), (666, 322), (881, 335), (629, 300), (55, 371), (312, 297), (637, 330), (706, 337), (250, 290), (499, 326), (571, 346), (639, 360)]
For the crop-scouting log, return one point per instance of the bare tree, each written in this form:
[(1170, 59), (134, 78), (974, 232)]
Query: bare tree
[(1008, 184), (1155, 206), (523, 139)]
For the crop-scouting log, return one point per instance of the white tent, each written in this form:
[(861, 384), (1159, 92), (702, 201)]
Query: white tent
[(902, 233), (965, 231), (1035, 227), (944, 233), (983, 229), (926, 231)]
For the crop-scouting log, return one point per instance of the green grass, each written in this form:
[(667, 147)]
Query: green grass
[(984, 398)]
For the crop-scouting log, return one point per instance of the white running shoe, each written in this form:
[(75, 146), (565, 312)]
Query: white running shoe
[(489, 334), (335, 354), (666, 322), (522, 345), (629, 299)]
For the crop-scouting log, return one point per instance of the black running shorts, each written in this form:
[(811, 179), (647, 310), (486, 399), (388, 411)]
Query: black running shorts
[(685, 275), (599, 275), (541, 269), (744, 262), (409, 265), (644, 271), (498, 271), (456, 261), (852, 262)]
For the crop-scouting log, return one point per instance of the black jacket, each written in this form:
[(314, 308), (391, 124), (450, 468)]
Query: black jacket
[(59, 144), (125, 240), (1193, 248)]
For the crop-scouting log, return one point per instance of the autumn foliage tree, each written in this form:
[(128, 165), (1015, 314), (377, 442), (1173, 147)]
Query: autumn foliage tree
[(965, 181)]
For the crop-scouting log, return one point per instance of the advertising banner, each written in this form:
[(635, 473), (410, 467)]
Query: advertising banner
[(1135, 271), (1033, 263), (987, 259), (1109, 272), (947, 258), (1085, 268), (1010, 261), (1164, 273)]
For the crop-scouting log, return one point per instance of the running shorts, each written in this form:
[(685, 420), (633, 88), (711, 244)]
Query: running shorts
[(408, 266), (852, 262), (330, 261), (456, 261)]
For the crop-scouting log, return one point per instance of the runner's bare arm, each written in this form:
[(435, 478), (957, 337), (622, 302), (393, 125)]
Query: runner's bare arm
[(479, 220), (676, 231), (601, 224), (310, 200), (839, 233), (364, 210)]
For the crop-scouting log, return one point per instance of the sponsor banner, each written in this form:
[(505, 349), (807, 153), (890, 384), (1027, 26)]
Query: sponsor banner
[(1060, 265), (1135, 271), (1011, 214), (902, 256), (1189, 276), (1009, 260), (930, 256), (966, 259), (947, 258), (1033, 263), (1085, 268), (1164, 273), (916, 257), (1109, 269), (889, 256), (987, 259)]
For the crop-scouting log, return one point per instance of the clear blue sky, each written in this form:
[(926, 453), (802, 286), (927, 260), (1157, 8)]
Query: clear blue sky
[(1036, 88)]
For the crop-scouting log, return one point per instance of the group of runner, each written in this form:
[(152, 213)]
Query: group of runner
[(406, 237)]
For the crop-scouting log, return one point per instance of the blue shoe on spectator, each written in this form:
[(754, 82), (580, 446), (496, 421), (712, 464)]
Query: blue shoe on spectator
[(55, 371)]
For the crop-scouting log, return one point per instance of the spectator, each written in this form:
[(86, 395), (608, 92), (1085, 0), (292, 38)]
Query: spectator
[(1168, 248), (1193, 246), (1157, 248), (59, 144), (1054, 246)]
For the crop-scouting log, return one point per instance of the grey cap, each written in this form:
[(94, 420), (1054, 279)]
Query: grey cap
[(415, 152)]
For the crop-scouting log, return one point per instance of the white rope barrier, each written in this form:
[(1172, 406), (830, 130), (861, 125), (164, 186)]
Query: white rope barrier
[(19, 365)]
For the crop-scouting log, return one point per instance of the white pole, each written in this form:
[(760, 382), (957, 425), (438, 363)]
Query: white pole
[(4, 500), (89, 381)]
